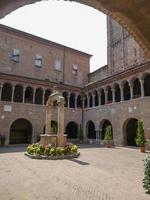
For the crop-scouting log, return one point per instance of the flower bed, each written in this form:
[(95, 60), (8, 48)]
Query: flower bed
[(51, 152)]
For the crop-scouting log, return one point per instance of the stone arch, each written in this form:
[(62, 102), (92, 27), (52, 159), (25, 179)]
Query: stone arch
[(71, 130), (38, 96), (118, 10), (6, 92), (72, 100), (102, 96), (103, 124), (147, 85), (129, 131), (65, 95), (96, 97), (136, 87), (90, 130), (20, 132), (79, 101), (28, 95), (126, 91), (18, 93), (46, 95), (117, 92)]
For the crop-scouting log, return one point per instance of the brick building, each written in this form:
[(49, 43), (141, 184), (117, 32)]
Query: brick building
[(116, 94)]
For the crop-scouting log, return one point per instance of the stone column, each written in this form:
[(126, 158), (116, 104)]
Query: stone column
[(60, 132), (121, 91), (48, 120), (131, 91), (106, 96), (34, 96), (1, 87), (142, 88), (12, 95), (83, 102), (75, 101), (88, 101), (93, 100), (24, 90), (99, 98), (43, 95), (68, 103), (113, 95)]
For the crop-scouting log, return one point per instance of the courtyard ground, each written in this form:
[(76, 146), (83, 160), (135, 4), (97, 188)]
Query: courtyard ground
[(98, 174)]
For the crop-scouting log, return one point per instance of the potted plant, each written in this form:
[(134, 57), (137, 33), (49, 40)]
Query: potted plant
[(108, 136), (140, 136), (80, 134)]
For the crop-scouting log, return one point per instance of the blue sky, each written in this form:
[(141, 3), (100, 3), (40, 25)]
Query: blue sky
[(72, 24)]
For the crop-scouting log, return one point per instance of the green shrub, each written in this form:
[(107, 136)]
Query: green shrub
[(74, 148), (146, 180), (140, 138), (108, 134)]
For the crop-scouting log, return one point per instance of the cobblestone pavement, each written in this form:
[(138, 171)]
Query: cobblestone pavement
[(98, 174)]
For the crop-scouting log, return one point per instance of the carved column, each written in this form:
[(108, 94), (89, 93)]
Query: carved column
[(68, 102), (88, 101), (24, 91), (60, 132), (43, 95), (48, 119), (131, 91), (83, 102), (142, 88), (99, 98), (12, 95), (93, 100), (113, 95), (106, 96), (34, 91), (1, 87), (121, 91)]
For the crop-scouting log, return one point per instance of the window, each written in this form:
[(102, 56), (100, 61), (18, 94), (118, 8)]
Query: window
[(15, 55), (38, 60), (57, 65), (75, 70)]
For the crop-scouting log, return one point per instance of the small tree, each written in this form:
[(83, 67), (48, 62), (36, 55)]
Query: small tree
[(146, 180), (108, 135), (140, 138)]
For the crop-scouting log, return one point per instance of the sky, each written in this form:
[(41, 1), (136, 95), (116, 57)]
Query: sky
[(69, 23)]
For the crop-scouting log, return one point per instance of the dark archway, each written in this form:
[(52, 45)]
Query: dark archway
[(130, 128), (18, 94), (47, 94), (65, 95), (71, 130), (90, 100), (6, 92), (103, 126), (79, 101), (117, 93), (147, 85), (38, 96), (102, 97), (96, 98), (136, 88), (126, 91), (90, 127), (109, 95), (20, 132), (72, 100), (28, 95)]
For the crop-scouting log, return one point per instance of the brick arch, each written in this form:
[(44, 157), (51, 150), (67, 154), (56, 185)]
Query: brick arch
[(126, 13)]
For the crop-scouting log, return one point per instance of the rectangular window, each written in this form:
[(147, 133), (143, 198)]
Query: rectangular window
[(15, 55), (57, 65), (38, 60), (75, 69)]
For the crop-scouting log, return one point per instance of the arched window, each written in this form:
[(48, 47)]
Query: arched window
[(136, 88), (38, 96), (18, 93), (109, 94), (72, 100), (47, 94), (29, 95), (126, 91), (96, 98), (6, 92), (147, 85), (117, 93), (102, 97), (79, 101), (65, 95)]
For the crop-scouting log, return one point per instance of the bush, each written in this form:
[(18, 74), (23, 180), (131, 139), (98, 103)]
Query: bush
[(108, 134), (51, 150), (146, 180), (140, 138)]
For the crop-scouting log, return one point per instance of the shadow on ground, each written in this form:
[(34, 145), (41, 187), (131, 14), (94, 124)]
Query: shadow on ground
[(13, 148)]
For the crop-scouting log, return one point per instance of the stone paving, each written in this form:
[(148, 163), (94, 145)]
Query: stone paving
[(98, 174)]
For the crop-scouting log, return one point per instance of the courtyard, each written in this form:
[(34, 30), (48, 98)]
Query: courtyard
[(98, 174)]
